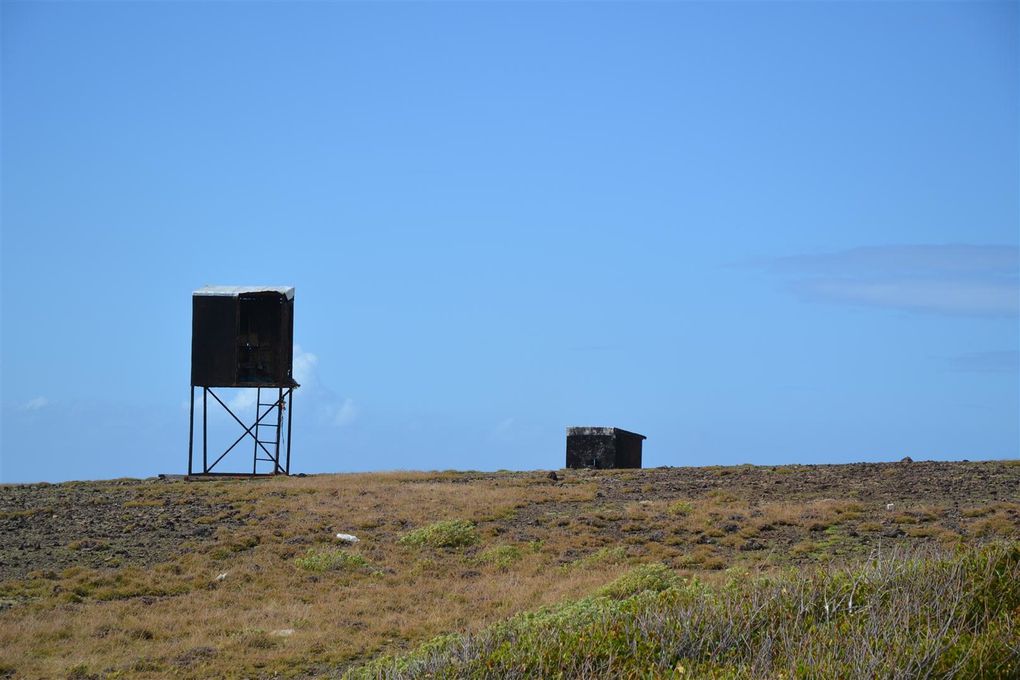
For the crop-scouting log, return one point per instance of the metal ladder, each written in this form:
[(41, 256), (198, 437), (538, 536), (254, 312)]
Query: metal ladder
[(270, 447)]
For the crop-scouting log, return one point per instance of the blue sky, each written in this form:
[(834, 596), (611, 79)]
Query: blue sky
[(754, 232)]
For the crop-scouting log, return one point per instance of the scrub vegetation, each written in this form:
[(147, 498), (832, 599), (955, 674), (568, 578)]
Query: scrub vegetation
[(679, 572), (917, 614), (331, 559), (454, 533)]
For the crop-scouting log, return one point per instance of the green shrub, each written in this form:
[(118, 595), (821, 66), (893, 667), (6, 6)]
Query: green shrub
[(456, 533), (333, 559), (680, 508), (653, 577), (602, 556), (501, 556)]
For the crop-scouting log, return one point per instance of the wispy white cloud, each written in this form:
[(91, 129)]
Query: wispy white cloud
[(959, 279), (305, 364), (341, 414), (35, 404), (900, 260), (960, 297), (243, 400), (1004, 361), (329, 408), (503, 426)]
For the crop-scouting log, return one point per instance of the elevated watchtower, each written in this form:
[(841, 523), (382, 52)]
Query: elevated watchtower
[(243, 337)]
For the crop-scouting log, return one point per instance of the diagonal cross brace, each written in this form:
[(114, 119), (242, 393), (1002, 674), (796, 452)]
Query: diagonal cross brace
[(247, 430)]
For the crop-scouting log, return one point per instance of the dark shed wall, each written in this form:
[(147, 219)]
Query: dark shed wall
[(628, 451), (286, 374), (591, 451), (213, 340), (260, 338)]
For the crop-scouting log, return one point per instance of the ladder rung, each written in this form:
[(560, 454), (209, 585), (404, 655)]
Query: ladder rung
[(272, 404)]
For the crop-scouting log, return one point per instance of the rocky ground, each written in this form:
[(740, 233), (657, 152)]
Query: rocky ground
[(113, 523), (100, 524)]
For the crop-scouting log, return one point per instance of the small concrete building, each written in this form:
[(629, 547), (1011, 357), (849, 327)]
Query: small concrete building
[(603, 448)]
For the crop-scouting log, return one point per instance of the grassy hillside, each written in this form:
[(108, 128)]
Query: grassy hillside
[(245, 578)]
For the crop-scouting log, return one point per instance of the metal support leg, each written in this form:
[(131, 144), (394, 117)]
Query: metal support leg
[(290, 419), (258, 409), (191, 429), (277, 468), (205, 431)]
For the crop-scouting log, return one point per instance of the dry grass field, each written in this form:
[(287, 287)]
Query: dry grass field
[(245, 578)]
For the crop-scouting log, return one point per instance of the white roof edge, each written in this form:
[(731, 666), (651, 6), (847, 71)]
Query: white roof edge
[(234, 291), (600, 430)]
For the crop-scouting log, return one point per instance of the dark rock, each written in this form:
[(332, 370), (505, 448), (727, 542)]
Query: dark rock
[(907, 459), (553, 476)]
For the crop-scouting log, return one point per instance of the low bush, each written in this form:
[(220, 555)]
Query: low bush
[(607, 555), (501, 556), (680, 508), (333, 559), (646, 577), (455, 533)]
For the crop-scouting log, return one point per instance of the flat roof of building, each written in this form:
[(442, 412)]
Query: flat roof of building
[(234, 291), (603, 431)]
